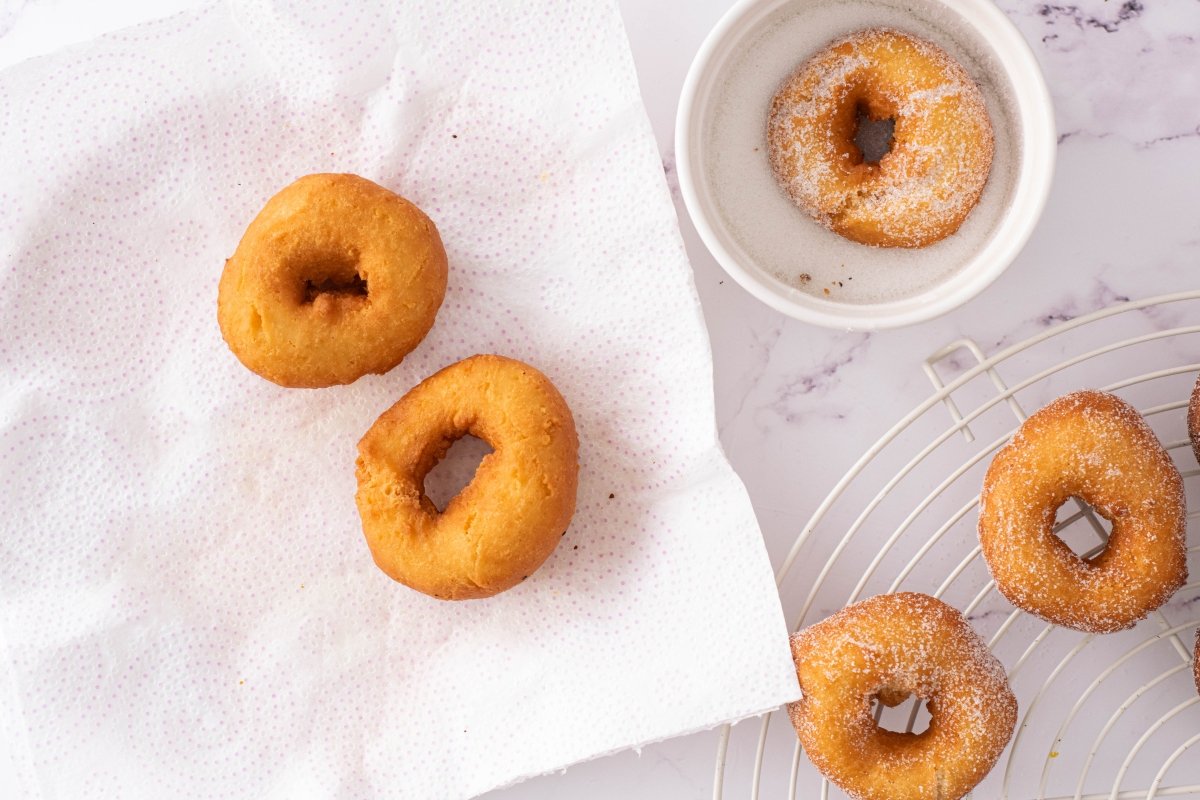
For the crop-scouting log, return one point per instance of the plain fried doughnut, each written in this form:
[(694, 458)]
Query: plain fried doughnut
[(1096, 447), (921, 190), (887, 648), (336, 278), (506, 522)]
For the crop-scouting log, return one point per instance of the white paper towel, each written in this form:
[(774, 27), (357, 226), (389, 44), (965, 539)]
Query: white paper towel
[(189, 608)]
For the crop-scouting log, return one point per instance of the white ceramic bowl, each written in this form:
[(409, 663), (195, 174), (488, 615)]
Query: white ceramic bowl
[(770, 246)]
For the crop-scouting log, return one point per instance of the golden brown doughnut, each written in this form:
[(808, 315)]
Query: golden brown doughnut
[(1193, 419), (924, 187), (887, 648), (506, 522), (336, 278), (1096, 447)]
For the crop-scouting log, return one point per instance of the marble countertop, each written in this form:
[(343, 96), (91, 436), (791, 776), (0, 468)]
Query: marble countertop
[(796, 404)]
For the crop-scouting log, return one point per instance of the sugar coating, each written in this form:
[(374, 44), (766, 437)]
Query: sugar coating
[(887, 647), (758, 220), (920, 191), (1096, 447)]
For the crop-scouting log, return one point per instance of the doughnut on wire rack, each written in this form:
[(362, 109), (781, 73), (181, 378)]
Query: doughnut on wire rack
[(1101, 717)]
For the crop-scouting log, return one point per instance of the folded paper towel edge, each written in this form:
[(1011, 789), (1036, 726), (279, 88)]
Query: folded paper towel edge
[(637, 748)]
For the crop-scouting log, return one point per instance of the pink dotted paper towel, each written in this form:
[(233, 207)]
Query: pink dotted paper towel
[(188, 606)]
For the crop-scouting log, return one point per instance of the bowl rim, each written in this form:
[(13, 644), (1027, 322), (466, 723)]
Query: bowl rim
[(1037, 136)]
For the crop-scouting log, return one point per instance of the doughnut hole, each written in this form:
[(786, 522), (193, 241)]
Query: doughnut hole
[(864, 128), (455, 470), (1075, 524), (873, 137), (329, 283), (893, 708)]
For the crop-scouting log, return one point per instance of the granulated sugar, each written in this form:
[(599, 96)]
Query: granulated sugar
[(764, 221)]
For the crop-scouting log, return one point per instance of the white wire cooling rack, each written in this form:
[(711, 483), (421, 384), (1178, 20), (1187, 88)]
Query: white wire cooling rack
[(1113, 716)]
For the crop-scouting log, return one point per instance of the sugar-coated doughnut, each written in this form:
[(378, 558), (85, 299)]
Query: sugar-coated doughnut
[(1193, 419), (509, 518), (888, 648), (336, 278), (1196, 662), (924, 187), (1096, 447)]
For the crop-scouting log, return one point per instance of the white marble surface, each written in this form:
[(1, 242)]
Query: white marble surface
[(797, 404)]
